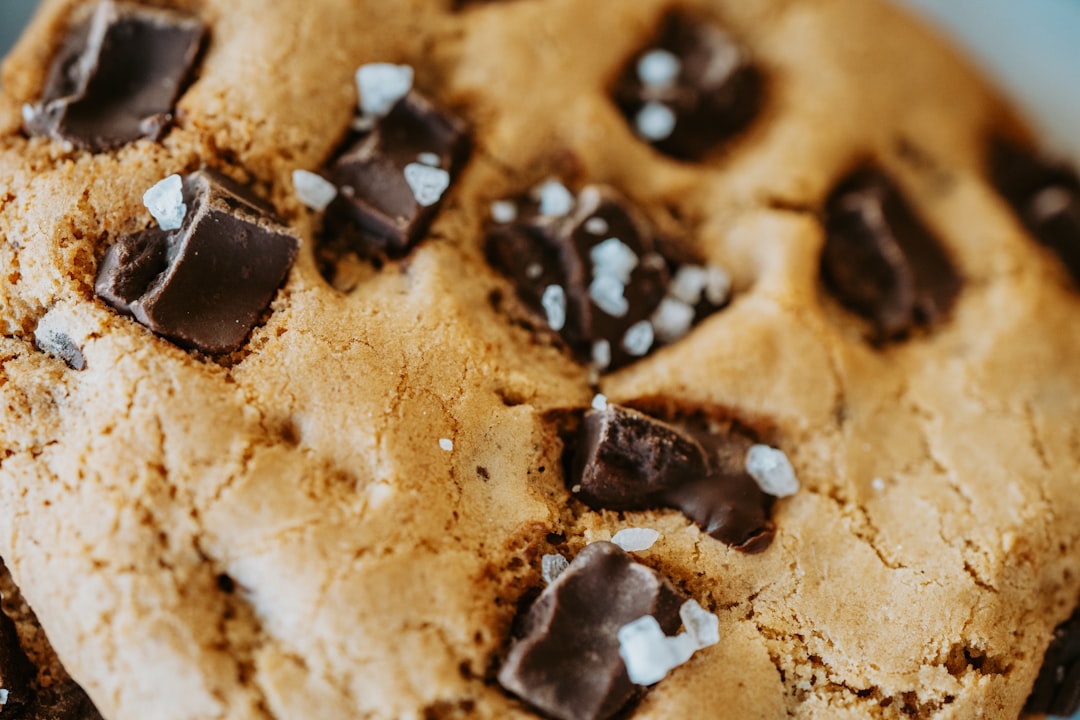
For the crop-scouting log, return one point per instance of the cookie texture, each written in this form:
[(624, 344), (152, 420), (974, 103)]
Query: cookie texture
[(343, 517)]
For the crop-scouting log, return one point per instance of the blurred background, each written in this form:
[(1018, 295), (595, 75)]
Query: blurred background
[(1030, 46)]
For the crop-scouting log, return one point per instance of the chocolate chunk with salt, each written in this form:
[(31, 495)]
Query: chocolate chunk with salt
[(626, 460), (1045, 194), (590, 266), (16, 672), (205, 285), (62, 701), (690, 89), (881, 261), (392, 180), (1057, 688), (566, 662), (117, 76)]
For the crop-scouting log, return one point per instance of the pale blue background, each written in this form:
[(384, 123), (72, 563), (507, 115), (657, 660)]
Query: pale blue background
[(1031, 46)]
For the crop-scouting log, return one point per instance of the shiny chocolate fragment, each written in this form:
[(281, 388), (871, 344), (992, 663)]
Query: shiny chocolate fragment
[(881, 261), (1045, 194), (690, 89), (599, 258), (205, 285), (566, 662), (626, 460), (1057, 688), (391, 181), (117, 76), (16, 672)]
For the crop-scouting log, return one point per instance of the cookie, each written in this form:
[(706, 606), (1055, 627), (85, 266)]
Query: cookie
[(445, 359)]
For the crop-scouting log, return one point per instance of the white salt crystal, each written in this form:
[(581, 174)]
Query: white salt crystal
[(554, 302), (878, 484), (700, 624), (601, 354), (688, 284), (648, 654), (599, 402), (576, 489), (313, 190), (381, 85), (552, 566), (427, 183), (672, 319), (165, 201), (655, 121), (3, 696), (615, 258), (635, 539), (596, 225), (772, 470), (28, 113), (638, 338), (446, 444), (717, 284), (364, 123), (658, 68), (1050, 201), (608, 294), (503, 211), (429, 158), (555, 199)]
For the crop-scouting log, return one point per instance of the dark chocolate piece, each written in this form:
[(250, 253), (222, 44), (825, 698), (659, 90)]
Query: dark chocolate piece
[(690, 89), (62, 701), (1045, 194), (602, 261), (1057, 689), (392, 181), (626, 460), (567, 663), (117, 77), (205, 285), (881, 261), (16, 672)]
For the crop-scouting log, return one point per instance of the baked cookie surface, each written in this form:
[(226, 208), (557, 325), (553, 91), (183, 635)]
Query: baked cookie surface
[(343, 513)]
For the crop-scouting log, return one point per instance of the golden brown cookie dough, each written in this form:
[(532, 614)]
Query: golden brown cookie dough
[(281, 533)]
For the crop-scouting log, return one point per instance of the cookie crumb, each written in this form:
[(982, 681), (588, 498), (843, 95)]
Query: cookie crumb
[(315, 191), (165, 201), (635, 539), (772, 470)]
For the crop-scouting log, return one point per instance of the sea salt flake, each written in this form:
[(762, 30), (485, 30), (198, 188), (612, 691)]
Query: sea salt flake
[(576, 489), (364, 123), (554, 302), (878, 484), (772, 470), (552, 566), (649, 654), (381, 85), (534, 270), (446, 444), (655, 121), (1050, 201), (635, 539), (599, 402), (601, 354), (672, 319), (608, 294), (555, 199), (597, 225), (717, 284), (688, 284), (427, 183), (313, 190), (28, 113), (165, 201), (638, 338), (503, 211), (3, 696), (429, 158), (700, 624), (658, 68), (613, 257)]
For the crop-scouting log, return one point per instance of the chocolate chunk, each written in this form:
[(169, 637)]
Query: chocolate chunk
[(205, 285), (117, 76), (1045, 195), (1057, 689), (626, 460), (62, 701), (392, 181), (592, 271), (881, 261), (690, 89), (16, 672), (566, 663)]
